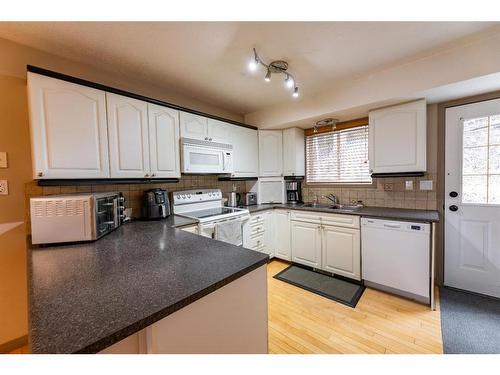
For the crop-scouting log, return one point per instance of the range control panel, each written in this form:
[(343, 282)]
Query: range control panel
[(194, 196)]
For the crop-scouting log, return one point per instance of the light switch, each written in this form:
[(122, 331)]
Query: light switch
[(3, 159), (426, 185), (4, 187), (409, 185)]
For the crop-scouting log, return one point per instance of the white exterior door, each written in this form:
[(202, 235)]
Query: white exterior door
[(271, 153), (306, 243), (164, 141), (281, 234), (128, 137), (341, 251), (193, 126), (68, 129), (472, 198)]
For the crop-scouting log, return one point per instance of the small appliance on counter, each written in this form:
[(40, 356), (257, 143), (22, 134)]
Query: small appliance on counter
[(293, 191), (233, 199), (156, 204), (248, 199), (75, 217)]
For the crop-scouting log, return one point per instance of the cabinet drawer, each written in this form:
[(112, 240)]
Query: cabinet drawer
[(308, 217), (255, 242), (339, 220)]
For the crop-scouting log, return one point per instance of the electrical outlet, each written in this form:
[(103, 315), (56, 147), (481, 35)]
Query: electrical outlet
[(409, 184), (426, 185), (388, 187), (3, 160), (4, 187)]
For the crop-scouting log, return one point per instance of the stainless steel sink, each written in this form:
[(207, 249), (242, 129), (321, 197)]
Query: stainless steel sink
[(344, 207)]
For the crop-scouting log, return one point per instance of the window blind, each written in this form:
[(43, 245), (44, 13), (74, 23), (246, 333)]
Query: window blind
[(338, 157)]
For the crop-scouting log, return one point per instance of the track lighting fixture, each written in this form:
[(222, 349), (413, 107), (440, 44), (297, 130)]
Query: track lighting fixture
[(277, 66)]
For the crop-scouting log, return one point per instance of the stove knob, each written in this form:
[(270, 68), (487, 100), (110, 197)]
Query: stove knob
[(189, 196), (178, 196), (209, 194), (183, 196)]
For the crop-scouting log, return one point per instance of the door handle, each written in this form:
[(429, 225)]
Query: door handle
[(453, 208)]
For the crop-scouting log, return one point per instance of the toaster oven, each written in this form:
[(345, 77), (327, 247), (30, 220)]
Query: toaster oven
[(75, 217)]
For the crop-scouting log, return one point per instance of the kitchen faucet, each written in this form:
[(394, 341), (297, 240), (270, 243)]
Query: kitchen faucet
[(333, 199)]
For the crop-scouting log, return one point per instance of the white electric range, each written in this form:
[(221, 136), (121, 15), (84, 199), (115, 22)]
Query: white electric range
[(206, 206)]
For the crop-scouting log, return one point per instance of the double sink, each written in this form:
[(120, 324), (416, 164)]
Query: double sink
[(333, 207)]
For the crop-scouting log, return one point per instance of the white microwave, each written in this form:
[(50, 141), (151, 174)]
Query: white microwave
[(206, 157)]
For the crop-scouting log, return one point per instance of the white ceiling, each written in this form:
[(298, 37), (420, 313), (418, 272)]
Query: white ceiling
[(208, 60)]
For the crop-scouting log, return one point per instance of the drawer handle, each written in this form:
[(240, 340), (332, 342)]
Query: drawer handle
[(395, 226)]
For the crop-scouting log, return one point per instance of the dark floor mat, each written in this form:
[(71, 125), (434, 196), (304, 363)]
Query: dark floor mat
[(470, 323), (337, 289)]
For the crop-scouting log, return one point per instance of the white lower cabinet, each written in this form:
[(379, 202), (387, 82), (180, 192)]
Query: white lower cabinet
[(281, 235), (258, 233), (341, 251), (332, 248), (306, 243)]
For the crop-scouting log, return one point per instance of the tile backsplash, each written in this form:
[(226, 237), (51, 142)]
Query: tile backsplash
[(132, 192), (376, 196)]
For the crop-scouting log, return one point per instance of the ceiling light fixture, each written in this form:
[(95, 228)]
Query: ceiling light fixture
[(277, 66), (327, 122)]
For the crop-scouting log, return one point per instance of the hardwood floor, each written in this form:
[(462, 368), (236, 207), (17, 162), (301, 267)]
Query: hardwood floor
[(303, 322)]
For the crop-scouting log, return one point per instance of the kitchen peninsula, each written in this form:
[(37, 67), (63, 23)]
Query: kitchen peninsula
[(147, 288)]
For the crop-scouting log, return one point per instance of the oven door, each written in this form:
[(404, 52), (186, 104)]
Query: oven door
[(200, 159)]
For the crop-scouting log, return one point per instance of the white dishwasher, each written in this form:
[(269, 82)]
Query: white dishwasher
[(396, 257)]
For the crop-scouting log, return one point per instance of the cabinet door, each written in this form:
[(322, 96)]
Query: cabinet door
[(397, 138), (218, 131), (193, 126), (128, 137), (306, 243), (68, 129), (245, 152), (270, 153), (269, 232), (341, 251), (281, 234), (293, 152), (164, 141)]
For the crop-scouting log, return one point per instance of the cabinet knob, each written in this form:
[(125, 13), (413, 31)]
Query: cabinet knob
[(40, 174), (206, 138), (146, 175), (153, 175), (209, 139)]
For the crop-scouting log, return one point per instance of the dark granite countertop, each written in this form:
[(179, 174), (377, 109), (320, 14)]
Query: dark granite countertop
[(85, 297), (428, 216)]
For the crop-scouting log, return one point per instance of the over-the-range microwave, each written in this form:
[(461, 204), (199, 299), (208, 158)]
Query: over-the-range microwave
[(206, 157)]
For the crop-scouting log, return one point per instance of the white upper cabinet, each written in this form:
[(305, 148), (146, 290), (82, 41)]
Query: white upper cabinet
[(193, 126), (270, 153), (164, 142), (218, 131), (245, 152), (68, 129), (293, 152), (128, 137), (397, 138)]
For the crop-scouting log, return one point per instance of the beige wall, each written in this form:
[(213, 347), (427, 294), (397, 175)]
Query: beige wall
[(14, 139), (399, 197)]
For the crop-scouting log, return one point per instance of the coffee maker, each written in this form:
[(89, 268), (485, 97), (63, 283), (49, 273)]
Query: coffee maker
[(293, 191), (156, 204)]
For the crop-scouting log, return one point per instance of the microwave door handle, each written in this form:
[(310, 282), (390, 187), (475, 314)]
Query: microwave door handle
[(115, 209), (162, 210)]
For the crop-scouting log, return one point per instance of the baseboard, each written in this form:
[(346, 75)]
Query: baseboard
[(13, 344)]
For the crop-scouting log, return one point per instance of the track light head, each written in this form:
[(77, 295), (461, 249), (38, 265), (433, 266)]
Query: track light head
[(295, 92), (267, 78), (289, 82)]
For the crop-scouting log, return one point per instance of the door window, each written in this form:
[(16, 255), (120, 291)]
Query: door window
[(481, 160)]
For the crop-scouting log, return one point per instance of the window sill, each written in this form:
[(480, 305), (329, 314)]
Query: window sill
[(373, 185)]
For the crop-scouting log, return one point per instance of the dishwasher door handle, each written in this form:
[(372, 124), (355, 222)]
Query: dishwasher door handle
[(393, 226)]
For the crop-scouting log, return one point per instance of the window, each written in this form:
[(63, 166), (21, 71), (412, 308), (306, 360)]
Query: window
[(481, 160), (338, 157)]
